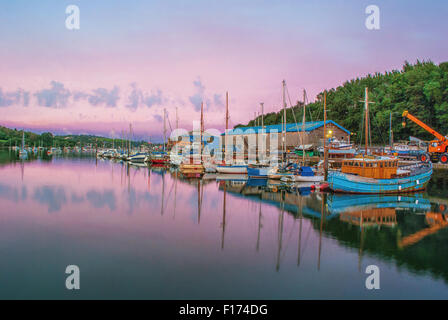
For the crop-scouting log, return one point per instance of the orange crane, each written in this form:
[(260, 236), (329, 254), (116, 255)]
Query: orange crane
[(437, 149)]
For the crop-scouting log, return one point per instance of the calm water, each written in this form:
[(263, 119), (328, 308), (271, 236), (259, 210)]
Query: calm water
[(146, 233)]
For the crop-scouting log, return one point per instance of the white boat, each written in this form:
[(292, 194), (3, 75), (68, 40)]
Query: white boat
[(231, 169), (138, 157), (209, 167), (298, 178)]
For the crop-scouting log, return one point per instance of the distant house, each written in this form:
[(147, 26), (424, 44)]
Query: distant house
[(313, 134)]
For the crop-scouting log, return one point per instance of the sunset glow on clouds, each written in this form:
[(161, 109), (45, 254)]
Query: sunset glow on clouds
[(132, 59)]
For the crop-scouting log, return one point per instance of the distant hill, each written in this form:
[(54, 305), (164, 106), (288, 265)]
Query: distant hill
[(421, 88), (14, 137)]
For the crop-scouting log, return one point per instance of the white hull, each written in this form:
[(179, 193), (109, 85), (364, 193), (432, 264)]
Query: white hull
[(137, 159), (303, 178), (231, 169)]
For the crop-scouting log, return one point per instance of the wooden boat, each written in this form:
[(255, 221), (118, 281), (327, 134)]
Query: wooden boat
[(191, 168), (378, 175)]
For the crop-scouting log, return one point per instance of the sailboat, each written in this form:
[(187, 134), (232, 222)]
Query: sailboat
[(378, 174), (261, 169), (188, 166), (226, 168), (160, 157), (23, 154)]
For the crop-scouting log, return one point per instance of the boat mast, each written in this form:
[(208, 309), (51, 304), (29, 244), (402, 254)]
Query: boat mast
[(164, 128), (325, 138), (202, 129), (284, 122), (390, 130), (303, 126), (227, 126), (262, 142), (366, 102)]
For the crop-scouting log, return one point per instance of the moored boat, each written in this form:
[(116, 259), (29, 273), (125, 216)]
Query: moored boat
[(379, 175), (231, 169), (138, 157), (258, 172)]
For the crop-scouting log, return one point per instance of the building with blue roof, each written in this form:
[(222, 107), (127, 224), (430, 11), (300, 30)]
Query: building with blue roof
[(312, 135)]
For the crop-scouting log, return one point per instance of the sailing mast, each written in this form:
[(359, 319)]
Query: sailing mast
[(202, 129), (390, 131), (284, 122), (164, 128), (366, 102), (263, 141), (325, 144), (227, 126), (303, 126)]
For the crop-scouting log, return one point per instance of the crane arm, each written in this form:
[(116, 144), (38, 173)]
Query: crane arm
[(439, 136)]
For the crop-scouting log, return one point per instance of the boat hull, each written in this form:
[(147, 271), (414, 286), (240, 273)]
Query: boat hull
[(261, 173), (231, 169), (349, 183), (298, 178)]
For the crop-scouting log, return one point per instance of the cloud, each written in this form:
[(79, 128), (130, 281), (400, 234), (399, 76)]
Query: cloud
[(158, 118), (153, 99), (55, 97), (102, 96), (217, 100), (99, 96), (14, 98), (198, 97), (134, 97), (138, 97)]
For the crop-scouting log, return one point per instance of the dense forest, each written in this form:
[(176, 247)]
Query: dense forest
[(12, 137), (421, 88)]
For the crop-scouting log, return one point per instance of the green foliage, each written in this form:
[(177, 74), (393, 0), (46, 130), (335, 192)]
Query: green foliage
[(12, 137), (421, 88)]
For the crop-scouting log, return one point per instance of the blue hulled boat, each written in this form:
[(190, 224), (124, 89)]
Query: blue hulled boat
[(260, 172), (379, 175)]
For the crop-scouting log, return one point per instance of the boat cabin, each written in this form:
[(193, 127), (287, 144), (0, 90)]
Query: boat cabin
[(383, 168)]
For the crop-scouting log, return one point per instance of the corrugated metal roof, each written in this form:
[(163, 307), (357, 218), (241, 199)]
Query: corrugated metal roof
[(290, 127)]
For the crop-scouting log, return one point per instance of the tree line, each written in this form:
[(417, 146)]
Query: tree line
[(420, 88)]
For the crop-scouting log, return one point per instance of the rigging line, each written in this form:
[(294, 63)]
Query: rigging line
[(362, 129), (307, 236), (289, 238), (169, 122), (293, 114), (379, 129), (169, 194)]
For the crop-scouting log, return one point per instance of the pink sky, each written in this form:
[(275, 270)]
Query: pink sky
[(177, 55)]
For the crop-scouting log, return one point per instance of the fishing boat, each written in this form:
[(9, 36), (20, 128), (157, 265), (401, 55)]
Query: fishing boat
[(377, 175)]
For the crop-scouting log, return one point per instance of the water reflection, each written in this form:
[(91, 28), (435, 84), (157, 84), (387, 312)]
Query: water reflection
[(252, 230)]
